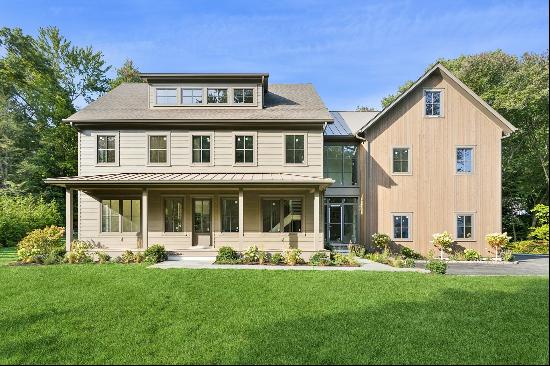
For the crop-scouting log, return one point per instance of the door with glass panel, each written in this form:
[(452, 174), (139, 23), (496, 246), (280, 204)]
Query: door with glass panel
[(341, 220), (202, 222)]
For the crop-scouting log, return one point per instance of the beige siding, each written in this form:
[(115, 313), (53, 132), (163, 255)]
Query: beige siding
[(434, 193)]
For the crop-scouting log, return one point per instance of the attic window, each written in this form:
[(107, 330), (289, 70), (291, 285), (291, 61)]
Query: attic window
[(432, 99), (166, 96)]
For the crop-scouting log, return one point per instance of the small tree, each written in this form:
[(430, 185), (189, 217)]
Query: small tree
[(443, 242), (381, 241), (497, 241)]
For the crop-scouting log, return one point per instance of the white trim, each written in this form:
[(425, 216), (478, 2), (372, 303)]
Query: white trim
[(465, 213), (441, 102), (116, 134), (297, 133), (473, 147), (409, 160), (201, 133), (411, 232), (254, 134), (167, 134)]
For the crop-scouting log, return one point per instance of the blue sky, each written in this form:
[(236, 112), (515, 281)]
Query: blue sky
[(354, 52)]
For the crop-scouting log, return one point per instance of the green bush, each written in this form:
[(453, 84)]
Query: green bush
[(507, 255), (528, 247), (79, 252), (381, 241), (540, 231), (409, 253), (19, 215), (277, 258), (103, 257), (155, 254), (436, 266), (320, 259), (409, 263), (56, 256), (127, 257), (38, 244), (357, 250), (227, 255), (471, 255), (383, 257), (251, 254), (340, 259), (293, 256), (263, 257)]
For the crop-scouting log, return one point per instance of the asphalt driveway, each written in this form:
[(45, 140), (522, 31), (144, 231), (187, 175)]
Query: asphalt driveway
[(528, 265)]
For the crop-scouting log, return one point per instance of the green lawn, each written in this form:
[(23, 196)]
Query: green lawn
[(131, 314)]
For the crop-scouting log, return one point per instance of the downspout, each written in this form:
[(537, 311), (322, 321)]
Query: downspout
[(363, 190)]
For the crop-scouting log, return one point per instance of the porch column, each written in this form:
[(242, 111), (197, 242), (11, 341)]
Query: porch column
[(144, 216), (316, 208), (241, 217), (68, 218)]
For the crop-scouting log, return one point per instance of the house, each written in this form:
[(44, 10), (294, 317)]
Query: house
[(199, 161)]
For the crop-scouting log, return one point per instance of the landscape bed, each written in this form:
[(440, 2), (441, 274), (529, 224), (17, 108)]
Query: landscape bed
[(130, 314)]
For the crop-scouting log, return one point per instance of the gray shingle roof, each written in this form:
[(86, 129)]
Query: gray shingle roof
[(129, 101)]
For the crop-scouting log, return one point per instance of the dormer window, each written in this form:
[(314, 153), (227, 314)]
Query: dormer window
[(245, 96), (191, 96), (216, 96), (166, 96)]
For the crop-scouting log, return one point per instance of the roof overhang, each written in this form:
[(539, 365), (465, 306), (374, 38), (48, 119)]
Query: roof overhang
[(256, 78), (190, 122)]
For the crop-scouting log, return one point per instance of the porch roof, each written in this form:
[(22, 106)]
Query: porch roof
[(189, 179)]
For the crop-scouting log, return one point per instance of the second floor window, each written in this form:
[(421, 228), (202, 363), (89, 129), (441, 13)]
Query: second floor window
[(400, 160), (432, 103), (191, 96), (341, 164), (294, 149), (158, 149), (216, 96), (244, 149), (245, 96), (464, 160), (201, 149), (166, 96), (106, 149)]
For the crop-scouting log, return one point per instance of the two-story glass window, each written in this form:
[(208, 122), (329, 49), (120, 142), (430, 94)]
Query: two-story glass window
[(230, 215), (244, 149), (191, 96), (401, 226), (173, 215), (400, 160), (294, 149), (120, 214), (166, 96), (281, 215), (341, 164), (216, 96), (158, 149), (106, 149), (432, 100), (201, 149), (464, 160), (464, 226), (243, 96)]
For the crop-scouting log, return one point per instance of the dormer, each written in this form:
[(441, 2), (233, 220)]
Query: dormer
[(206, 90)]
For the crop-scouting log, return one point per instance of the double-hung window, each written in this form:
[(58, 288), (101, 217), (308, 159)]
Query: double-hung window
[(432, 103), (282, 215), (106, 149), (167, 96), (201, 149), (464, 160), (191, 96), (216, 96), (464, 226), (230, 215), (158, 149), (243, 96), (401, 226), (120, 215), (401, 160), (244, 149), (295, 149)]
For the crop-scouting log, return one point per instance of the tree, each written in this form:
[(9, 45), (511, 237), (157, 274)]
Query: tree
[(128, 73)]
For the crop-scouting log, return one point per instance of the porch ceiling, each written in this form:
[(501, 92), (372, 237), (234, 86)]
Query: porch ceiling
[(189, 179)]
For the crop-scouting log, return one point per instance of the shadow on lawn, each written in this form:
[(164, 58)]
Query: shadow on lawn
[(456, 326)]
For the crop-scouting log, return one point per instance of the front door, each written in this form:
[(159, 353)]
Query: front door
[(342, 222), (202, 222), (335, 223)]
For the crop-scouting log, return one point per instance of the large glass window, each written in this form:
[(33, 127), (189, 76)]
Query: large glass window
[(271, 216), (131, 216), (464, 225), (158, 149), (433, 103), (340, 164), (166, 96), (282, 215), (216, 96), (173, 215), (244, 149), (110, 216), (292, 215), (341, 219), (120, 215), (294, 149), (464, 160), (201, 149), (191, 96), (401, 159), (245, 96), (106, 149), (230, 215), (401, 226)]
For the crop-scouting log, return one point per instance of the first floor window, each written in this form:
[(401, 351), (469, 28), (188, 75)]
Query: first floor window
[(282, 215), (292, 215), (432, 103), (244, 149), (241, 96), (166, 96), (173, 215), (294, 149), (464, 226), (464, 159), (400, 157), (106, 149), (158, 149), (230, 215), (201, 149), (109, 216), (216, 96), (131, 216), (120, 215), (401, 226)]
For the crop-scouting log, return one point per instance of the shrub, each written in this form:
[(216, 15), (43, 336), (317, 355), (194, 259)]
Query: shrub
[(277, 258), (381, 241), (155, 254), (293, 256), (127, 257), (507, 255), (436, 266), (103, 257), (56, 256), (409, 253), (79, 252), (320, 259), (379, 257), (443, 242), (251, 254), (37, 246), (340, 259), (409, 263), (540, 231), (497, 241), (471, 255), (528, 247), (357, 250), (227, 255), (263, 257)]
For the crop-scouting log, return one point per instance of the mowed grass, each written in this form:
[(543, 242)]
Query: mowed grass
[(90, 314)]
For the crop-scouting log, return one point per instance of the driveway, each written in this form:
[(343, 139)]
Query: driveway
[(528, 265)]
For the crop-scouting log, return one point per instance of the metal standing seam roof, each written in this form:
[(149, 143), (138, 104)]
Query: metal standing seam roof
[(190, 178), (348, 123)]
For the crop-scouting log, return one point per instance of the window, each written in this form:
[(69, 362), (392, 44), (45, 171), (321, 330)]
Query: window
[(244, 149), (464, 226), (433, 103), (109, 216), (400, 157), (341, 164), (401, 226), (243, 96), (341, 220), (166, 96), (295, 149), (282, 215), (131, 216), (106, 149), (201, 149), (464, 160), (217, 96), (173, 215), (230, 215), (191, 96), (158, 149), (120, 215)]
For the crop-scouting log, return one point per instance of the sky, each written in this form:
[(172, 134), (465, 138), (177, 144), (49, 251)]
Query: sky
[(354, 52)]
